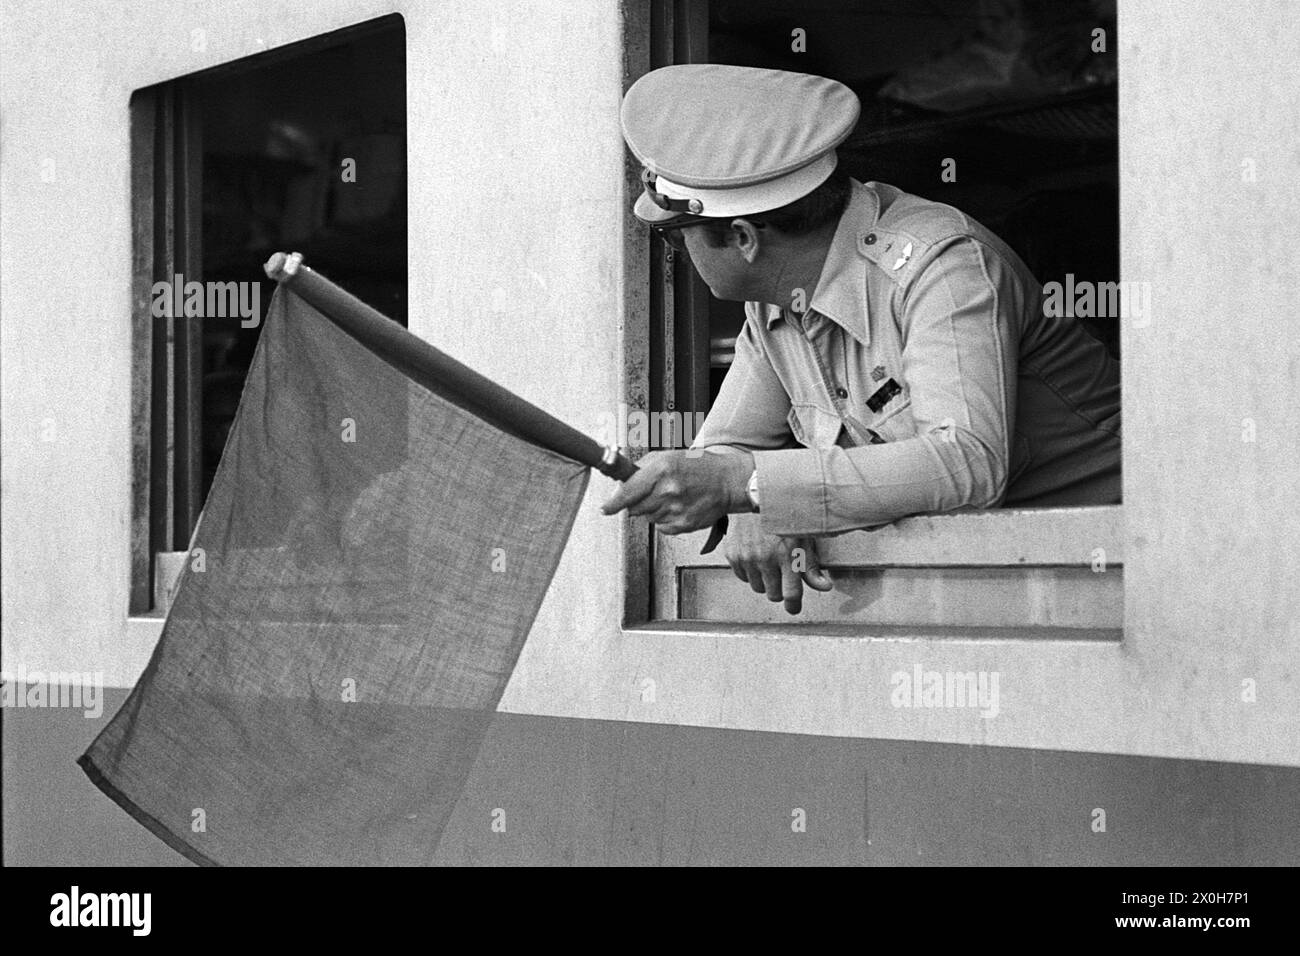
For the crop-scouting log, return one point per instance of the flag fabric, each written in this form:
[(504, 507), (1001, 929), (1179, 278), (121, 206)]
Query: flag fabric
[(366, 570)]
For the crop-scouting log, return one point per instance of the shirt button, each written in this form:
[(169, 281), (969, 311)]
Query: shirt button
[(870, 238), (842, 392)]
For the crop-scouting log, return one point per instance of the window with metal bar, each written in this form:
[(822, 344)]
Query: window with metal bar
[(302, 148), (1039, 166)]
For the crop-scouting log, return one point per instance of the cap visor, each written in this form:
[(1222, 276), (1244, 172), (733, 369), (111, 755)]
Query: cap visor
[(648, 212)]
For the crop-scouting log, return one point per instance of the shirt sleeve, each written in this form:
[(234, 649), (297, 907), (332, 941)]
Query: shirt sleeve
[(960, 344), (752, 408)]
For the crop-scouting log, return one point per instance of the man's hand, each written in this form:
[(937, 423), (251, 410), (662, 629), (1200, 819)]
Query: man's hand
[(683, 491), (773, 564)]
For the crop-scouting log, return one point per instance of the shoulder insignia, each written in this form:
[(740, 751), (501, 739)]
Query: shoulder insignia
[(902, 259)]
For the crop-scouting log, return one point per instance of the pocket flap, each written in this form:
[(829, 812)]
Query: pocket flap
[(813, 426)]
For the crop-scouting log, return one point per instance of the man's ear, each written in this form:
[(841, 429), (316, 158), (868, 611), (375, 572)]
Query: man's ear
[(747, 238)]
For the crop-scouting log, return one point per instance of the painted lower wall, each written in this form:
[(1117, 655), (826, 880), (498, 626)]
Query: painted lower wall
[(601, 792)]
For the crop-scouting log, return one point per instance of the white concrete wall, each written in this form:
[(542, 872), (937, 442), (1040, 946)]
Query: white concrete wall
[(1210, 659), (515, 176), (516, 172)]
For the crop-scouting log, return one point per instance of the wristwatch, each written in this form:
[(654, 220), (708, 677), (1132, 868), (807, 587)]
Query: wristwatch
[(752, 490)]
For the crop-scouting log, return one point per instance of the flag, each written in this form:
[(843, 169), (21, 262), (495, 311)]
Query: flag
[(364, 575)]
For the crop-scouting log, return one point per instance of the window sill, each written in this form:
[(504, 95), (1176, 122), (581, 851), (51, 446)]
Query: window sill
[(875, 633), (1042, 573)]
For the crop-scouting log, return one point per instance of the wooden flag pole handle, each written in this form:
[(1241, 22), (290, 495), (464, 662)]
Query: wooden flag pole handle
[(439, 372), (442, 374)]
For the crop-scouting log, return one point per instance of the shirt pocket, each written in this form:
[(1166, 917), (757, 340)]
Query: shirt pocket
[(813, 426), (894, 423)]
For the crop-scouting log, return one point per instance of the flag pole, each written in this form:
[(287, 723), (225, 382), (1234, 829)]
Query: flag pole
[(442, 374)]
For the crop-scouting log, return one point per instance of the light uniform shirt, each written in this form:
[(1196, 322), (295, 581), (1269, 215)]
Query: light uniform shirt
[(923, 377)]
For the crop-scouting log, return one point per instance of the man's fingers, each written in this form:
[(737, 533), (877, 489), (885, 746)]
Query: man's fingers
[(634, 490), (772, 579), (791, 589), (815, 576), (671, 526), (819, 579), (646, 505)]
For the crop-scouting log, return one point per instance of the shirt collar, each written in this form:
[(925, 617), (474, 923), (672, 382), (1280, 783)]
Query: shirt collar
[(841, 293)]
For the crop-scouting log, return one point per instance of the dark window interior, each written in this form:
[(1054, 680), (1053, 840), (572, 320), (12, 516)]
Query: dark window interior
[(1010, 89), (228, 166), (274, 140)]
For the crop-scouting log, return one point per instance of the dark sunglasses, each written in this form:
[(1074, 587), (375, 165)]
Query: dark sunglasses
[(670, 232), (689, 208)]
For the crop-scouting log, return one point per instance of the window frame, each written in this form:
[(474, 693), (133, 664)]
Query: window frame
[(166, 151), (671, 370), (166, 357), (1028, 542)]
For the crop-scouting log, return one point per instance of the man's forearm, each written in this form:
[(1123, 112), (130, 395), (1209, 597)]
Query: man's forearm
[(811, 491)]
